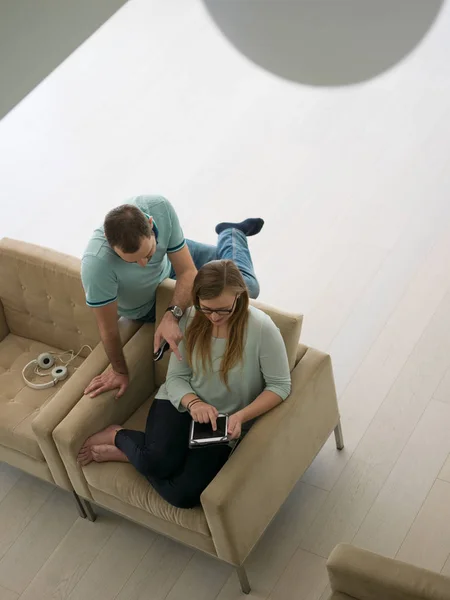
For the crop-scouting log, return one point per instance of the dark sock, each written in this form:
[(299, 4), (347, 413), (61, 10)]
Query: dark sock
[(248, 227)]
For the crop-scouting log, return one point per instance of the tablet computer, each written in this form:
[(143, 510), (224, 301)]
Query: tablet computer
[(202, 434)]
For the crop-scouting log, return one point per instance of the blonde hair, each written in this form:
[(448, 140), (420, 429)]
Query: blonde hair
[(211, 281)]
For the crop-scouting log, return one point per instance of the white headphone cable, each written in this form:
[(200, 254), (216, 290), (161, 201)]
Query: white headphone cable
[(59, 357)]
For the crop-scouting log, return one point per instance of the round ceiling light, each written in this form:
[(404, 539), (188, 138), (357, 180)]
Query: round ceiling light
[(325, 42)]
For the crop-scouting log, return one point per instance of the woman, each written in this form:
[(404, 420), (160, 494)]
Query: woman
[(233, 361)]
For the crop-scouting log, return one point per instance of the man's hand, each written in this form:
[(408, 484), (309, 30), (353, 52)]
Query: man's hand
[(234, 426), (204, 413), (110, 380), (169, 330)]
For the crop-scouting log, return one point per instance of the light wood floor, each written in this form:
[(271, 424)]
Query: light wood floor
[(354, 185)]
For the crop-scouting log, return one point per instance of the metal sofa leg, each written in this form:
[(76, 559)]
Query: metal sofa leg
[(80, 506), (90, 513), (339, 436), (243, 580)]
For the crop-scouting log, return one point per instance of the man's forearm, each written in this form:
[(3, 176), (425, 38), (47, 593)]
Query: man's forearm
[(182, 296), (113, 348)]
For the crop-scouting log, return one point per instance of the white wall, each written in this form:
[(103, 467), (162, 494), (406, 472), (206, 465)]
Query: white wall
[(37, 35)]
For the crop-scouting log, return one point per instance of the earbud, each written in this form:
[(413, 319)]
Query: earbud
[(45, 360)]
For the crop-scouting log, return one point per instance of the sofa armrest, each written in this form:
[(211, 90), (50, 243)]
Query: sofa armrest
[(367, 576), (94, 414), (252, 486), (4, 329), (127, 328), (67, 397)]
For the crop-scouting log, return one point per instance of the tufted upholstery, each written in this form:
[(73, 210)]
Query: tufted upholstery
[(19, 404), (43, 298), (42, 308)]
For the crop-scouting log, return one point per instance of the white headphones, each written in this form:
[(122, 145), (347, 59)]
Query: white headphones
[(46, 361)]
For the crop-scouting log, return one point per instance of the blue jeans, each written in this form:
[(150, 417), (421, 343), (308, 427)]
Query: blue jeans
[(231, 244)]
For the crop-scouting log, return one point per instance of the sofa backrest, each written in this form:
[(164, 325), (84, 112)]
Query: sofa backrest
[(289, 325), (43, 298)]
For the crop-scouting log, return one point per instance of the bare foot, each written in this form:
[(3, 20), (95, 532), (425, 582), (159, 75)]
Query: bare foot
[(107, 452), (106, 436), (85, 456)]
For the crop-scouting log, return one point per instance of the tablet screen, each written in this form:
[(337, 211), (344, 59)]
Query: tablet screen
[(204, 431)]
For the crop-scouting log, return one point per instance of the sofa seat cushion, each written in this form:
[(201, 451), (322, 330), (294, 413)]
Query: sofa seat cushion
[(122, 481), (19, 404)]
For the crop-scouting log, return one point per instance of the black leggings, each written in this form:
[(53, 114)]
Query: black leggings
[(179, 474)]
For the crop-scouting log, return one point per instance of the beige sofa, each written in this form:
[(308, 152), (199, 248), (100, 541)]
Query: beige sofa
[(361, 575), (42, 309), (241, 501)]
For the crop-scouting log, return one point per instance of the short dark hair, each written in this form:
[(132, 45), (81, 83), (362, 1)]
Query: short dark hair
[(125, 226)]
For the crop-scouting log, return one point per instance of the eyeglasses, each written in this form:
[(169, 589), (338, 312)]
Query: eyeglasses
[(220, 311)]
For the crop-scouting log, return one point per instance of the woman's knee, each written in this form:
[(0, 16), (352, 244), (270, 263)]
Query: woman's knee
[(156, 463)]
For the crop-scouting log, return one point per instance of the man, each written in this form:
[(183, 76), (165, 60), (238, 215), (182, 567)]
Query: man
[(140, 245)]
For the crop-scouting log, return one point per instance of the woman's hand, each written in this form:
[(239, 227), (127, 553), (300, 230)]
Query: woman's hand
[(234, 426), (204, 413)]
